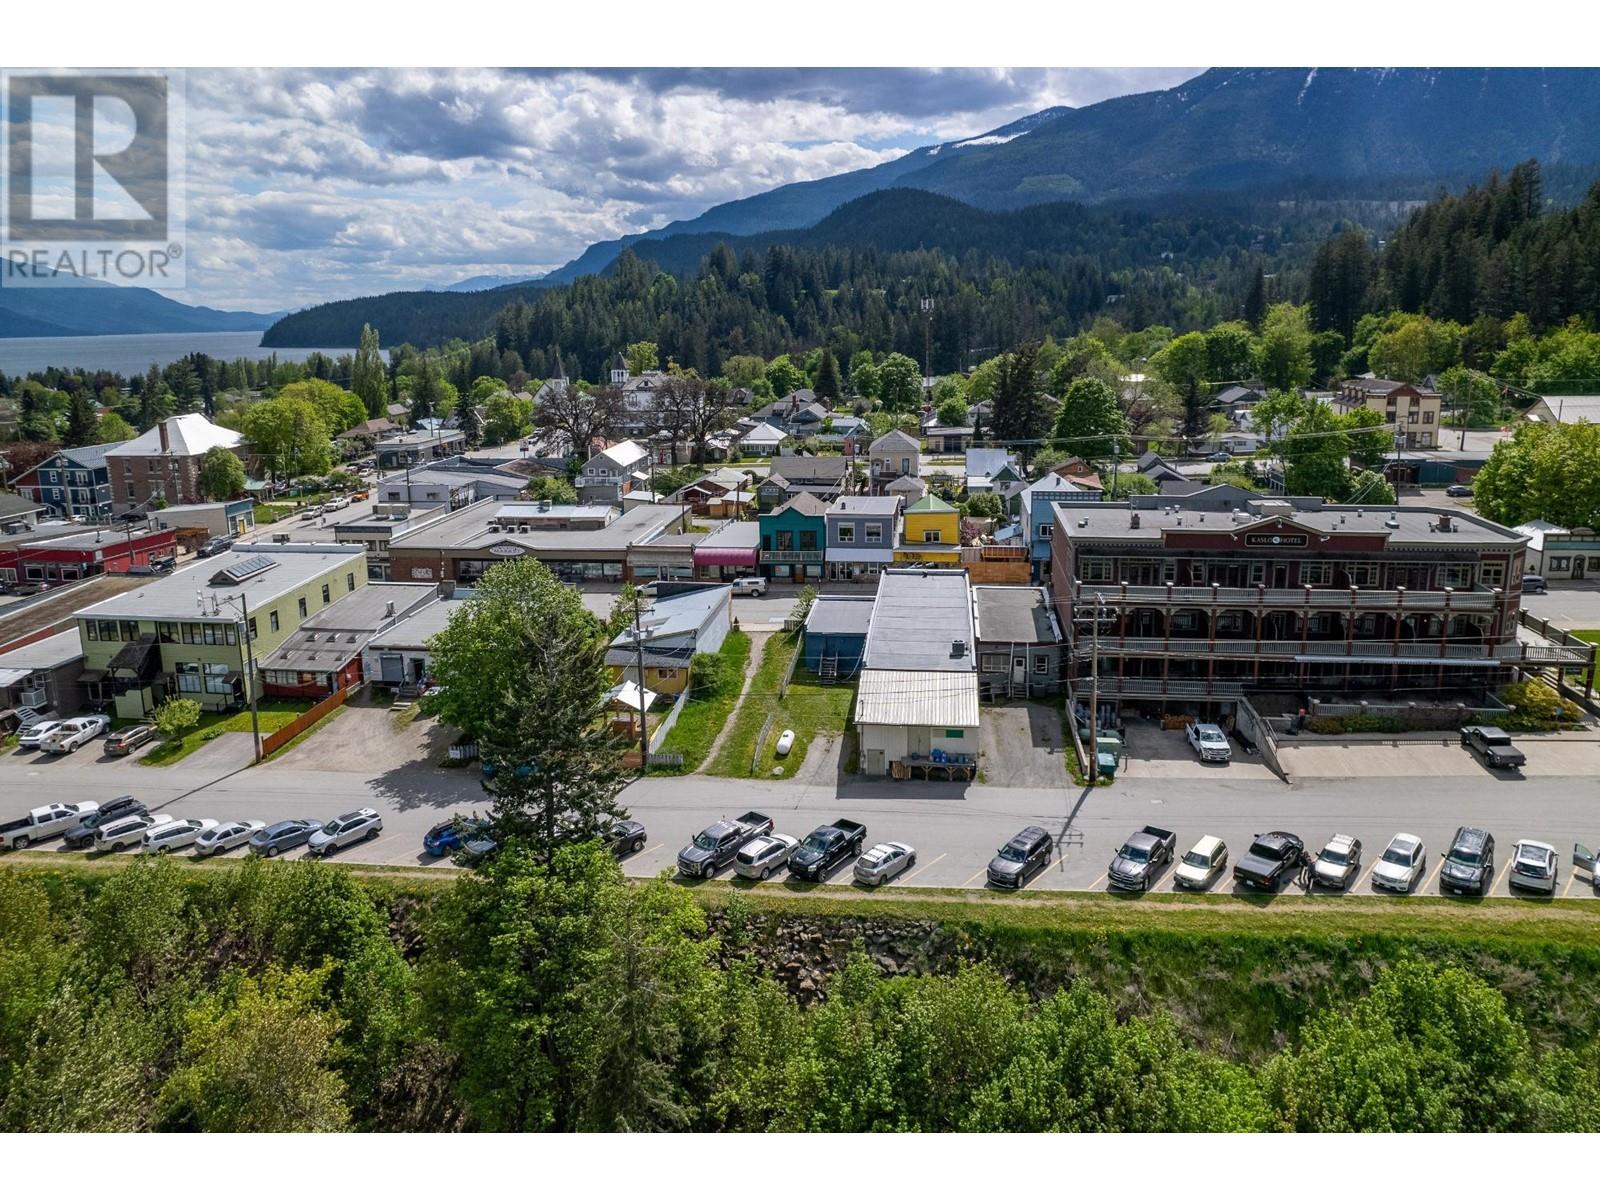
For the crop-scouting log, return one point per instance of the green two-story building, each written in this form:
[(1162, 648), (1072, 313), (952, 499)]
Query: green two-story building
[(199, 633), (794, 539)]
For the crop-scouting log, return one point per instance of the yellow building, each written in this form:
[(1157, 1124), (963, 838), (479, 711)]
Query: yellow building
[(932, 533)]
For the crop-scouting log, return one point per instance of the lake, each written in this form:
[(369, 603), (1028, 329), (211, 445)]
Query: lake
[(132, 353)]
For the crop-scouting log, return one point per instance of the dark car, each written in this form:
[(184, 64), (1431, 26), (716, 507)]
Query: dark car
[(1458, 489), (717, 844), (1494, 746), (1141, 856), (1271, 859), (214, 545), (81, 835), (449, 836), (126, 741), (620, 836), (1469, 863), (1021, 858), (825, 847), (283, 835)]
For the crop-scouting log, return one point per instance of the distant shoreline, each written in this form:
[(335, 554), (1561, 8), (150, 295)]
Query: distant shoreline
[(133, 353)]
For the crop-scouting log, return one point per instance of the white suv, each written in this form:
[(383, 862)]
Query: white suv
[(69, 735), (750, 585), (174, 835), (344, 830), (129, 831)]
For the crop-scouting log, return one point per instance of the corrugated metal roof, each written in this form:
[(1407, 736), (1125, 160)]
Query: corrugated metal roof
[(933, 698)]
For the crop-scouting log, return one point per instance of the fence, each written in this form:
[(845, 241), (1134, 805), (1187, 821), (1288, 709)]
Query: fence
[(279, 738), (788, 672), (761, 741), (667, 722)]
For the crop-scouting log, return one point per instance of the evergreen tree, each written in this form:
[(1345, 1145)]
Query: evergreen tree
[(367, 379), (1255, 300), (827, 385), (83, 423)]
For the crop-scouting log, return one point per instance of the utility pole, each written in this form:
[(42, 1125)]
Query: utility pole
[(249, 666), (927, 337), (1094, 690), (638, 646)]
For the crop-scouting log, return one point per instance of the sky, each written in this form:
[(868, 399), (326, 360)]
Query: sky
[(313, 185)]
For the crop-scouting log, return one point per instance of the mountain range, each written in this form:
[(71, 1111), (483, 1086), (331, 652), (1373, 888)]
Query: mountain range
[(1228, 130), (101, 308)]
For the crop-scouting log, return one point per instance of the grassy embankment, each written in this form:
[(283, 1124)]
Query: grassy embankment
[(810, 708), (1242, 976), (704, 714)]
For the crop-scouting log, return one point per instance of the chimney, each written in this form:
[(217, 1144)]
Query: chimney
[(388, 609), (166, 440), (1133, 521), (1444, 523)]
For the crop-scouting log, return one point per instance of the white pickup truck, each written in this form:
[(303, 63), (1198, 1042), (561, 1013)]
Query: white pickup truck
[(47, 820)]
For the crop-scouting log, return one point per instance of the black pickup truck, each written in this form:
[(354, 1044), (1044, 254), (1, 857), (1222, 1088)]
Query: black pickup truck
[(1493, 746), (1272, 858), (825, 847), (1135, 865), (717, 844)]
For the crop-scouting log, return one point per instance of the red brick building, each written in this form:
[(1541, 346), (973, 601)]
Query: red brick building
[(74, 556)]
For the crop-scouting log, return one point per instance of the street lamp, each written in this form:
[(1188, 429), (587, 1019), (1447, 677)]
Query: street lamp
[(237, 603)]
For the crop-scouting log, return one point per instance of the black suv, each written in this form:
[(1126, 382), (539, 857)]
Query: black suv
[(1469, 865), (81, 835), (1022, 857)]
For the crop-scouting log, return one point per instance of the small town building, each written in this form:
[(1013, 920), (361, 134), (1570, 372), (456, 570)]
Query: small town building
[(763, 441), (673, 628), (1413, 411), (793, 537), (1036, 504), (1567, 554), (443, 486), (1535, 531), (894, 454), (730, 551), (54, 557), (1561, 410), (932, 533), (324, 653), (42, 678), (825, 476), (948, 439), (863, 535), (71, 483), (835, 639), (613, 472), (186, 634), (909, 488), (399, 657), (163, 463), (917, 696), (423, 446), (579, 542), (218, 518), (1019, 643), (668, 556), (725, 492)]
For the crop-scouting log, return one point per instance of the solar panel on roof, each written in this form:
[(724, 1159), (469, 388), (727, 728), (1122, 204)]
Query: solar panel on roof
[(245, 568)]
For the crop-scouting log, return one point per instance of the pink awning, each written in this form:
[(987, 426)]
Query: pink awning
[(724, 556)]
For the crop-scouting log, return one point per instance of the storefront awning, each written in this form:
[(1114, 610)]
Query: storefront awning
[(724, 556)]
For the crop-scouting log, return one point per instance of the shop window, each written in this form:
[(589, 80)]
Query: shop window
[(1561, 563), (217, 683), (189, 679), (847, 534)]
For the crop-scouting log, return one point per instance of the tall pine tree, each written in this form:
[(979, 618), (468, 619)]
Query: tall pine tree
[(828, 386)]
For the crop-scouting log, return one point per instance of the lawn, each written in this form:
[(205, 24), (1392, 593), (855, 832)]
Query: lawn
[(275, 714), (703, 717), (810, 708), (1592, 636)]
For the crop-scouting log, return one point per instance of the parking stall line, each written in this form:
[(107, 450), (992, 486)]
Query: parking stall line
[(923, 867), (1432, 875), (1572, 878), (1504, 871), (978, 874), (1095, 886)]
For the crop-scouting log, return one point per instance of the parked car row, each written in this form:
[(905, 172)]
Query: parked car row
[(126, 822), (756, 852), (63, 735)]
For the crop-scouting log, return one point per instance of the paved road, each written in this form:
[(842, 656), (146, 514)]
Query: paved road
[(954, 828)]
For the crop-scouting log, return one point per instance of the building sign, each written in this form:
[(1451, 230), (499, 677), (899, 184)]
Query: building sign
[(508, 550), (1275, 539)]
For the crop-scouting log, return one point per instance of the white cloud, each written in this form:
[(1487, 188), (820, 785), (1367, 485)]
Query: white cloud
[(313, 185)]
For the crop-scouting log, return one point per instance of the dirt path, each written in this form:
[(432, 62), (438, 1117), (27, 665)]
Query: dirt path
[(758, 643)]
